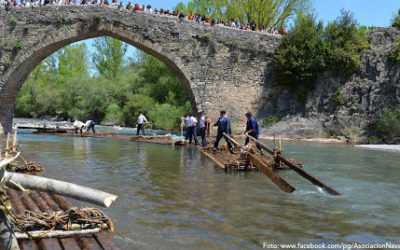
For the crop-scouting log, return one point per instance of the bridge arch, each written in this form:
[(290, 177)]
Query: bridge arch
[(219, 68)]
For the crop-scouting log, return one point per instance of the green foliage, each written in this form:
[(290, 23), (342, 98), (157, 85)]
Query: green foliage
[(351, 132), (396, 20), (7, 63), (300, 57), (26, 28), (337, 97), (63, 85), (17, 46), (387, 125), (308, 49), (63, 19), (343, 44), (13, 21), (395, 55), (109, 56), (207, 36), (166, 116), (113, 114), (263, 12), (270, 121)]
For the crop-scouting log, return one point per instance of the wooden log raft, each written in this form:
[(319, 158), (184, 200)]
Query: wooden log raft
[(298, 170)]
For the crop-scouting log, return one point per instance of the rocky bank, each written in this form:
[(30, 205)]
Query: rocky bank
[(363, 95)]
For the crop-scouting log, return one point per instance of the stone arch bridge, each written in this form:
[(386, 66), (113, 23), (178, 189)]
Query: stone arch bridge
[(219, 67)]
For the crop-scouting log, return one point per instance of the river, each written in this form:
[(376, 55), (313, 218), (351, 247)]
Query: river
[(175, 198)]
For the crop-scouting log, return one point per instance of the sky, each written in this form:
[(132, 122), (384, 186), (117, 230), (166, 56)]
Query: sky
[(367, 12)]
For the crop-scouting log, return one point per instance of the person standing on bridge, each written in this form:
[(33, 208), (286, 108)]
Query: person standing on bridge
[(252, 130), (140, 120), (224, 126)]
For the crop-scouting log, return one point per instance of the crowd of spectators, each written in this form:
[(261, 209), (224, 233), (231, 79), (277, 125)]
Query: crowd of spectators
[(8, 4)]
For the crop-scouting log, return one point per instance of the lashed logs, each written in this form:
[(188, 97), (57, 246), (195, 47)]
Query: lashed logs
[(298, 170), (269, 172)]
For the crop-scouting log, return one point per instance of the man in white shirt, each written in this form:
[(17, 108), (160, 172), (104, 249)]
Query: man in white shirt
[(141, 119), (193, 130), (78, 125)]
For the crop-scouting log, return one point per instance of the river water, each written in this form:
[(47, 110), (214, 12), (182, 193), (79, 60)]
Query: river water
[(175, 198)]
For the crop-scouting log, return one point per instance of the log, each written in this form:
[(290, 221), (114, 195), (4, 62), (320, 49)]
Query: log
[(213, 159), (269, 172), (232, 140), (60, 187), (7, 161), (57, 233), (298, 170)]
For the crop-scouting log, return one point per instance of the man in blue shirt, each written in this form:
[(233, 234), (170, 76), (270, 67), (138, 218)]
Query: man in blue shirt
[(224, 126), (252, 129)]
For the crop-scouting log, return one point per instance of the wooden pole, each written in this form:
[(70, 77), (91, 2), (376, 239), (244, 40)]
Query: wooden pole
[(275, 178), (7, 144), (60, 187), (298, 170), (213, 159), (14, 141), (280, 145), (232, 140)]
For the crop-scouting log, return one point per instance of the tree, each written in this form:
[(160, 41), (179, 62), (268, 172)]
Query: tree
[(109, 56), (301, 56), (262, 12)]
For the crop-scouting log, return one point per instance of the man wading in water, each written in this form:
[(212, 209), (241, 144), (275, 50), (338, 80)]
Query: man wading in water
[(224, 126)]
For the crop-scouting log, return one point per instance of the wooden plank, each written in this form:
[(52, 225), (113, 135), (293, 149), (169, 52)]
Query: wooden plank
[(49, 244), (275, 178), (69, 244), (90, 243), (28, 245), (106, 240), (309, 177), (213, 159), (298, 170), (42, 204)]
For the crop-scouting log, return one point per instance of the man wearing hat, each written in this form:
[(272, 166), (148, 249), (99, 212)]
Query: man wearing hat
[(224, 126)]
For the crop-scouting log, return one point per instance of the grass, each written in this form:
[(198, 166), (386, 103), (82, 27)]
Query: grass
[(13, 20), (338, 98), (351, 132), (207, 36), (17, 46)]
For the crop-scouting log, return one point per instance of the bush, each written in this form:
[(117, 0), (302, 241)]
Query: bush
[(387, 124), (300, 57), (270, 121), (17, 46), (395, 55), (308, 49), (166, 116), (338, 98), (351, 132), (13, 21), (113, 115), (235, 127), (344, 41), (396, 20)]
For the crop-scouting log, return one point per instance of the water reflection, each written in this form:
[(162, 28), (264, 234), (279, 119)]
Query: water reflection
[(174, 198)]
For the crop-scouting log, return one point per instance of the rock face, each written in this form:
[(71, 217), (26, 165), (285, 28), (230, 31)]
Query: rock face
[(362, 95), (219, 67)]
